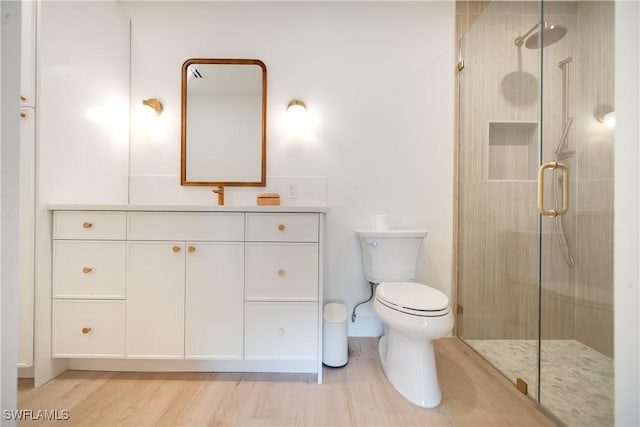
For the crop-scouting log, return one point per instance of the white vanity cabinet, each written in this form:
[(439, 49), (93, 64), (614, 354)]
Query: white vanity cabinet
[(220, 289)]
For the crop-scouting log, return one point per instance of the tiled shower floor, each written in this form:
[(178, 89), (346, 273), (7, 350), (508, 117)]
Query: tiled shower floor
[(576, 381)]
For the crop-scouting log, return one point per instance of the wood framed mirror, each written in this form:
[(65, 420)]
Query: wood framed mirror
[(223, 121)]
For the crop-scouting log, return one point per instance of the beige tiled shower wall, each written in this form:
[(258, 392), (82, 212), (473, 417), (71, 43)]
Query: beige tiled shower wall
[(499, 243), (594, 176)]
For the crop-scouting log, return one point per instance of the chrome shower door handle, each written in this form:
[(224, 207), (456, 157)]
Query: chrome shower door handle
[(565, 189)]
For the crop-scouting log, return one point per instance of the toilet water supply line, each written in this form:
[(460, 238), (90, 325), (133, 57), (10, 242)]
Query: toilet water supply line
[(353, 314)]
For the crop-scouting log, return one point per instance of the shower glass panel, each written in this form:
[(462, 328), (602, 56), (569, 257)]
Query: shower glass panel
[(498, 158), (576, 360), (536, 290)]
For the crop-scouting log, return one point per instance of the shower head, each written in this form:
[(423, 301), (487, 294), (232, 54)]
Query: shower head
[(550, 35)]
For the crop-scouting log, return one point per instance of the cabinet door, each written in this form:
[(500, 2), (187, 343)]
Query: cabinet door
[(214, 300), (281, 330), (89, 269), (87, 328), (281, 227), (194, 226), (26, 234), (91, 225), (155, 300), (282, 272)]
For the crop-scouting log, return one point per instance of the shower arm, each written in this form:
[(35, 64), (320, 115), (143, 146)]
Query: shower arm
[(519, 41)]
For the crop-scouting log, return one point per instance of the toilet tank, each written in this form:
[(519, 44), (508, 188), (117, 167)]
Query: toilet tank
[(390, 255)]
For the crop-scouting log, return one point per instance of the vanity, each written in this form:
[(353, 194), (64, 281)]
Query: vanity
[(204, 288), (191, 287)]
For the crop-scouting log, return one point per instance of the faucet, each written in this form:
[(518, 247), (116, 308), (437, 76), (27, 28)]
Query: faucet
[(220, 192)]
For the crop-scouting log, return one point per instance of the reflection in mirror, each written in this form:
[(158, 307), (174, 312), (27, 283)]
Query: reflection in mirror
[(223, 122)]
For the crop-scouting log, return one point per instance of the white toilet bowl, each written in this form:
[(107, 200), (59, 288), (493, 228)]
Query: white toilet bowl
[(414, 315)]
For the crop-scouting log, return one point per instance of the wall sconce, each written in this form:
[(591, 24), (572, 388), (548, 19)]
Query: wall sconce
[(154, 104), (299, 124), (296, 106), (609, 119)]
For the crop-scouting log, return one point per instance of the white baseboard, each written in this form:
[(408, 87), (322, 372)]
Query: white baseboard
[(25, 372)]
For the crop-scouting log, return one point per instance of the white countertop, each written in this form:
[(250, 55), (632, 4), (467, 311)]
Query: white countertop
[(187, 208)]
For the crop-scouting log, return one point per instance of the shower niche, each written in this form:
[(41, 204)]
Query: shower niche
[(513, 150)]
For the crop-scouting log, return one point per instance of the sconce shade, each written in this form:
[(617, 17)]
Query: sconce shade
[(155, 104), (296, 105), (609, 119)]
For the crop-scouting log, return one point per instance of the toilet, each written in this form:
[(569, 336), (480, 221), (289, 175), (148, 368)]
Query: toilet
[(413, 314)]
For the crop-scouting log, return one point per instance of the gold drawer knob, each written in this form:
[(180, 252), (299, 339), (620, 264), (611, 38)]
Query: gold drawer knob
[(23, 98), (87, 225), (281, 272), (87, 270), (86, 330), (176, 249), (23, 114), (281, 227), (192, 248)]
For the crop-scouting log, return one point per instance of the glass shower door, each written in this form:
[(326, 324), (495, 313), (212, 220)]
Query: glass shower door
[(576, 245)]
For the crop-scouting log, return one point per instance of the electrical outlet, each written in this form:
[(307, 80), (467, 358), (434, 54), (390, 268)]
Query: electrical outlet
[(293, 190)]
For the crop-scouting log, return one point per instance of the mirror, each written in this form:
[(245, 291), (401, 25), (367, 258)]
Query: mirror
[(224, 122)]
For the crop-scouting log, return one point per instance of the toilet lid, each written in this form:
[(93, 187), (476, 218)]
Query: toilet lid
[(412, 296)]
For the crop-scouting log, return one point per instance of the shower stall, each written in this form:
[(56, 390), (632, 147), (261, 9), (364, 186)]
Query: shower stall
[(535, 198)]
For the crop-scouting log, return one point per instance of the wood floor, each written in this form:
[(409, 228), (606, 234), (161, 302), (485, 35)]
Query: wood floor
[(358, 394)]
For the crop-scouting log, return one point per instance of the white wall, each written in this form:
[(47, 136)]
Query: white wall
[(84, 135), (10, 159), (627, 215), (377, 78)]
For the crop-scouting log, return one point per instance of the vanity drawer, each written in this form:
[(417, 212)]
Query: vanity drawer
[(277, 227), (281, 330), (88, 328), (193, 226), (86, 269), (281, 271), (89, 225)]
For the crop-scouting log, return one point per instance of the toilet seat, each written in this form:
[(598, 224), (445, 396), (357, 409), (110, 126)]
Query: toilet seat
[(413, 298)]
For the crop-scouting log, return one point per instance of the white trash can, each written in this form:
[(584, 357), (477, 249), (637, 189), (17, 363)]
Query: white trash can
[(334, 339)]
